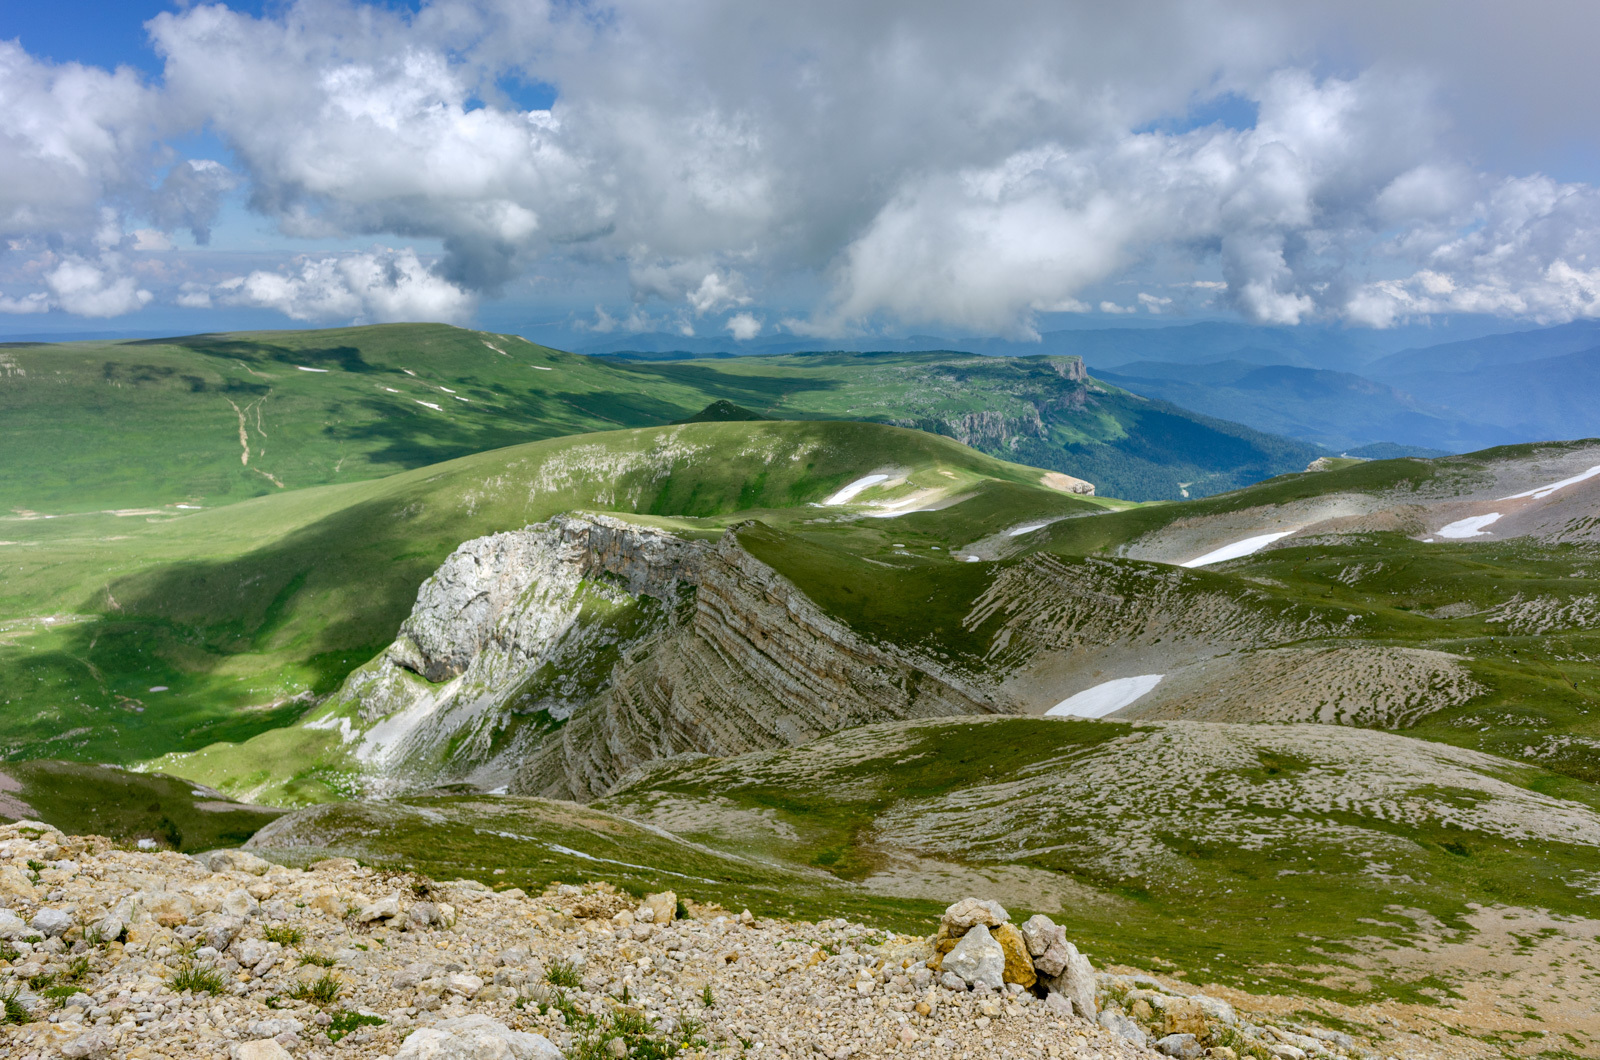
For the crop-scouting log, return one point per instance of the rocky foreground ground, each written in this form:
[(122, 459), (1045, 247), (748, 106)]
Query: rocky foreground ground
[(115, 953)]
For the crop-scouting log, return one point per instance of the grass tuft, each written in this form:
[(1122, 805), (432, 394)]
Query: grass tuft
[(12, 1010), (321, 991), (563, 974), (199, 979)]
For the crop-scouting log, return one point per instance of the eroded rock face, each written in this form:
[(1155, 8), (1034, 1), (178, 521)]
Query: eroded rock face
[(756, 665), (644, 644)]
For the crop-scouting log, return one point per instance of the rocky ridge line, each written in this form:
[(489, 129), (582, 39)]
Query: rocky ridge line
[(728, 657), (109, 952)]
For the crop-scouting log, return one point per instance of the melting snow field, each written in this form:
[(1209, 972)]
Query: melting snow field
[(540, 368), (1473, 527), (303, 368), (849, 492), (1030, 528), (1249, 546), (430, 404), (1105, 698), (1545, 491)]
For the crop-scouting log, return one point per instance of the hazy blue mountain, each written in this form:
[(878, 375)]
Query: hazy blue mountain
[(1336, 409), (1337, 387), (1186, 344), (1516, 347), (1553, 397)]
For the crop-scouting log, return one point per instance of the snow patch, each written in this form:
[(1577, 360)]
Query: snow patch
[(1471, 527), (1545, 491), (1104, 698), (1248, 547), (153, 688), (303, 368), (849, 492), (430, 405), (1028, 529), (540, 368)]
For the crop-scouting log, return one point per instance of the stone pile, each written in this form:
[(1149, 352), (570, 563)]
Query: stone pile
[(107, 953)]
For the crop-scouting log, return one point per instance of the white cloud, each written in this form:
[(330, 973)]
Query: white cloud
[(94, 289), (933, 164), (384, 286), (151, 239), (70, 138), (37, 302), (743, 326)]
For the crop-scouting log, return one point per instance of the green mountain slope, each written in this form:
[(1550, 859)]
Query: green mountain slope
[(122, 638), (104, 800), (213, 419), (1042, 411)]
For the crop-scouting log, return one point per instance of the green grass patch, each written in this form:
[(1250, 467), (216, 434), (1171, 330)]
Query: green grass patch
[(105, 800)]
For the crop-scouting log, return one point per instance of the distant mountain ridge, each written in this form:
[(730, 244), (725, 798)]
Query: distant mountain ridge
[(1336, 387), (1340, 410)]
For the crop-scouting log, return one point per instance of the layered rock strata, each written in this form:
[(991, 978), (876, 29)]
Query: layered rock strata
[(553, 660)]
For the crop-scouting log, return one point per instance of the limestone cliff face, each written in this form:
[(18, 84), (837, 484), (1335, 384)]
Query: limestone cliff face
[(554, 659), (757, 666)]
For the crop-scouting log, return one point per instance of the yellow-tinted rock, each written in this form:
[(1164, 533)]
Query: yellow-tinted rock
[(328, 901), (1019, 965), (14, 881), (1182, 1016)]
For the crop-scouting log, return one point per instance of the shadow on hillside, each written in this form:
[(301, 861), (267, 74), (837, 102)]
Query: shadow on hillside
[(415, 436), (223, 347), (762, 391)]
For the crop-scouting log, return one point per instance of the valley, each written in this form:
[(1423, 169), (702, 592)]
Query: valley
[(1327, 738)]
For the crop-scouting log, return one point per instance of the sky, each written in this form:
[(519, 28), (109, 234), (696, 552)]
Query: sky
[(751, 171)]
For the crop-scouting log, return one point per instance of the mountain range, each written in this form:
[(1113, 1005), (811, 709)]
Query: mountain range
[(447, 602), (1338, 388)]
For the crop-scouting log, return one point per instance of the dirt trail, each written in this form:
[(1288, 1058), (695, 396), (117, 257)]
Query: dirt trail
[(244, 436)]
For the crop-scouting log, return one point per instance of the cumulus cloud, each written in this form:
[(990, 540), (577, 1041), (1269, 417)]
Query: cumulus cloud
[(383, 286), (71, 137), (95, 289), (743, 326), (191, 195), (1525, 247), (37, 302), (908, 164)]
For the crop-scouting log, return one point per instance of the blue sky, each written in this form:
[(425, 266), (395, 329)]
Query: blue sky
[(762, 172)]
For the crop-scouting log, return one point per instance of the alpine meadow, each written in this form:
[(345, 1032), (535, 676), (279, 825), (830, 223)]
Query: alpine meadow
[(610, 531)]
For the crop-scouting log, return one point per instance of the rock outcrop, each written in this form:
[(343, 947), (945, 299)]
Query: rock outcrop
[(555, 659)]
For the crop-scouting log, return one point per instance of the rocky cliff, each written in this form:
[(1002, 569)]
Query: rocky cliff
[(554, 659)]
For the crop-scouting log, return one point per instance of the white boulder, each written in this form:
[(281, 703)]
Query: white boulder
[(978, 959), (475, 1037)]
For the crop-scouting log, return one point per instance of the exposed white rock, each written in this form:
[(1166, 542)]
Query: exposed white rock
[(652, 645), (51, 922), (978, 959), (970, 912)]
